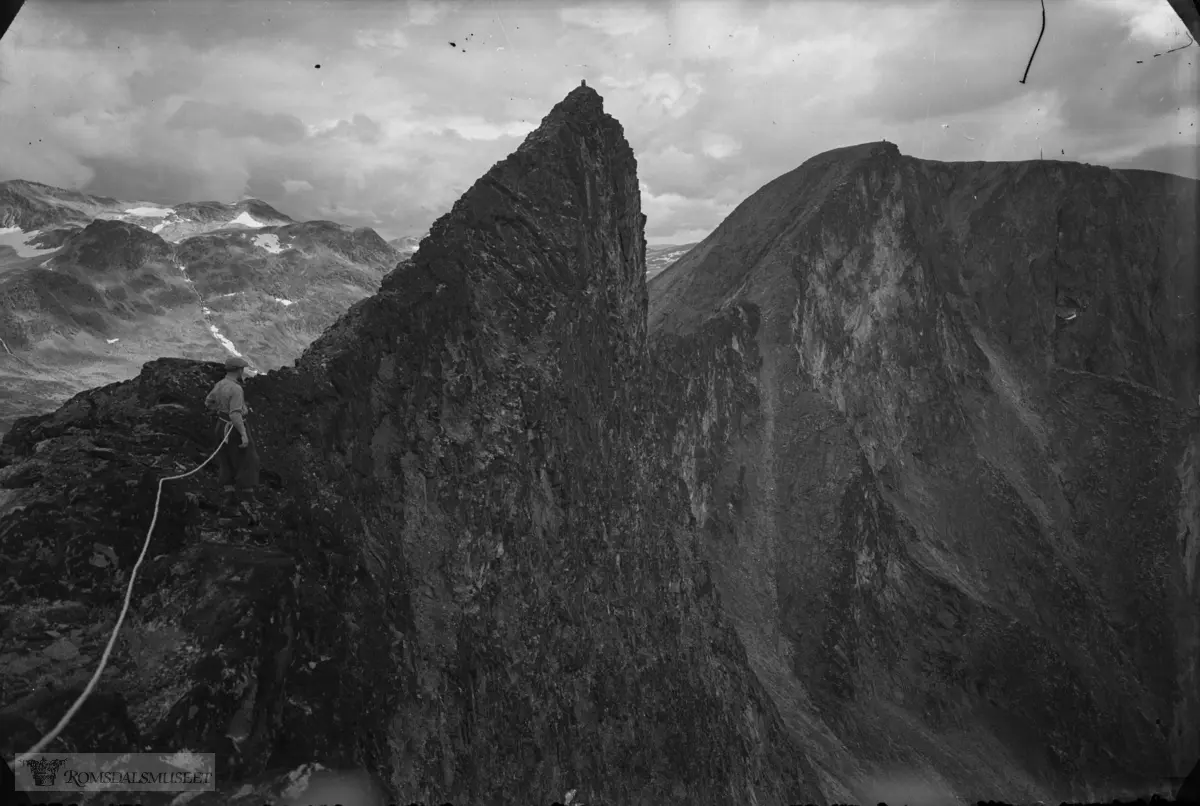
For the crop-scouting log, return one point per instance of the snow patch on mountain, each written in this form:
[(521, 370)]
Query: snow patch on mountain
[(247, 220), (283, 302), (150, 212), (18, 239), (112, 341), (270, 242), (226, 343), (206, 312)]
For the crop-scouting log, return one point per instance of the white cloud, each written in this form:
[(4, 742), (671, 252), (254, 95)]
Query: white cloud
[(672, 161), (675, 218), (620, 21), (296, 185), (393, 39), (67, 114), (478, 129), (719, 146), (426, 13), (1151, 22), (661, 91), (325, 126)]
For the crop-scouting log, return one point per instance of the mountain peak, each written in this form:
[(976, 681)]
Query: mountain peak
[(558, 218), (581, 108)]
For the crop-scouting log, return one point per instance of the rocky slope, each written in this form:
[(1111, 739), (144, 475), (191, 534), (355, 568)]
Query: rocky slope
[(92, 288), (948, 472), (481, 581)]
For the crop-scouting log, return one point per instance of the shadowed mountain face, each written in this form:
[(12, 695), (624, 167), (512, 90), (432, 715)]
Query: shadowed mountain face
[(884, 491), (959, 535), (105, 286)]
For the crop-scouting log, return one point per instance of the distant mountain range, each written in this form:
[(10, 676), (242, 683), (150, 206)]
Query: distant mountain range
[(660, 258), (92, 287), (406, 245)]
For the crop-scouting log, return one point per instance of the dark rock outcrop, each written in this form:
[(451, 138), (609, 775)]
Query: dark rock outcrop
[(482, 583), (104, 247), (957, 524)]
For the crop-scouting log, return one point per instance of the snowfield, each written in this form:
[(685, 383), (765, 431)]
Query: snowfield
[(150, 212), (247, 220), (269, 242), (17, 239)]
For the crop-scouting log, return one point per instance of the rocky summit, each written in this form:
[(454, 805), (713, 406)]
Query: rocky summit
[(886, 491)]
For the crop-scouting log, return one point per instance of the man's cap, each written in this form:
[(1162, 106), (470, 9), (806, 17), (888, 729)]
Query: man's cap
[(235, 362)]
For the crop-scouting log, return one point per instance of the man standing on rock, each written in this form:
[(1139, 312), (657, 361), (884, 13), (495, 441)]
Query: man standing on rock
[(237, 460)]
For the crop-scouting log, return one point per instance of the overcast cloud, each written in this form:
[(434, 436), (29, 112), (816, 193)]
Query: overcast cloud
[(207, 99)]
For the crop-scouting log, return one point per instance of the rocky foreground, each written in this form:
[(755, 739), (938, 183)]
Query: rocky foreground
[(885, 491)]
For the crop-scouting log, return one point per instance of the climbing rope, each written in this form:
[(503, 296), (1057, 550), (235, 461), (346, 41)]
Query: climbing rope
[(62, 723)]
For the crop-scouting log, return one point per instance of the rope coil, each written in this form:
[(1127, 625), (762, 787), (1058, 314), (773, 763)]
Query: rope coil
[(62, 723)]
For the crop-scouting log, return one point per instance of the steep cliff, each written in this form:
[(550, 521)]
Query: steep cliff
[(947, 469), (477, 576)]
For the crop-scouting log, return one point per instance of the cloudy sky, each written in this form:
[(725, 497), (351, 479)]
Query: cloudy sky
[(383, 113)]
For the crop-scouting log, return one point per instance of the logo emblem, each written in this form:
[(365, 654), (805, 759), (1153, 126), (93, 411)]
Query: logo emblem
[(44, 770)]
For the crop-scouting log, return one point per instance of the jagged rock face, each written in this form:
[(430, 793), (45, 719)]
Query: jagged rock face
[(484, 584), (949, 481)]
